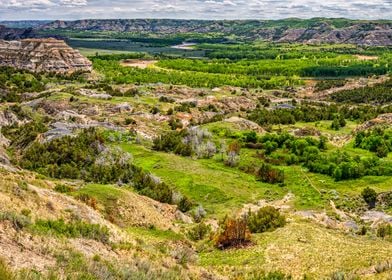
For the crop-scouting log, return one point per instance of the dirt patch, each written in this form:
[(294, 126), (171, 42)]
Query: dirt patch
[(366, 57), (184, 46), (138, 63), (283, 204)]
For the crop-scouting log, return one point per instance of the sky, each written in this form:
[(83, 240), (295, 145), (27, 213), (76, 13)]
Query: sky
[(193, 9)]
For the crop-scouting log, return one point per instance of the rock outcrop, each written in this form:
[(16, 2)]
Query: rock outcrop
[(43, 55)]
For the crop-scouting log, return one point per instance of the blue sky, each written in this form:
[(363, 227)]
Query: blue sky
[(194, 9)]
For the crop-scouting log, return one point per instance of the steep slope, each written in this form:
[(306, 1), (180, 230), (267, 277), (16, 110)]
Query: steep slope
[(36, 239), (39, 55)]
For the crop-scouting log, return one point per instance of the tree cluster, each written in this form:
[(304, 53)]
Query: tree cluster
[(87, 157), (378, 140), (188, 142)]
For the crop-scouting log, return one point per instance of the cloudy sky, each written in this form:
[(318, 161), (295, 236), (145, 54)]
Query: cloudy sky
[(195, 9)]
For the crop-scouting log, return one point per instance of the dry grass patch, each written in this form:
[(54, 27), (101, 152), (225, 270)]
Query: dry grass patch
[(138, 63), (302, 248)]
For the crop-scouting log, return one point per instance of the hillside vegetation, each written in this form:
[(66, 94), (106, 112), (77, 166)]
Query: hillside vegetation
[(228, 159)]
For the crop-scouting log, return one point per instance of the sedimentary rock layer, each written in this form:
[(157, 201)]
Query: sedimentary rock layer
[(42, 55)]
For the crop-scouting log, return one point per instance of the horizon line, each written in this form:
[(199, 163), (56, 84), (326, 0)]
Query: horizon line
[(201, 19)]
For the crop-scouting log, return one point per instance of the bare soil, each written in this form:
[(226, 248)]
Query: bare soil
[(138, 63), (366, 57)]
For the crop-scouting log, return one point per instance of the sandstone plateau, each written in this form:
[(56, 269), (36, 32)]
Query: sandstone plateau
[(43, 55)]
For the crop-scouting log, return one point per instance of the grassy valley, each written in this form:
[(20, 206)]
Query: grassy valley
[(198, 156)]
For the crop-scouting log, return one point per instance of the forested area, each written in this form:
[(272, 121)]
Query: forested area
[(338, 66), (284, 51), (285, 149), (315, 112), (115, 73)]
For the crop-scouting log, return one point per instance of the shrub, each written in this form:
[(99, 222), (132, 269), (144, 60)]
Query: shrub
[(185, 204), (265, 219), (155, 110), (234, 147), (338, 275), (338, 122), (129, 121), (384, 231), (146, 185), (25, 212), (175, 123), (63, 189), (188, 142), (370, 197), (199, 213), (235, 233), (18, 221), (232, 159), (199, 232), (88, 200), (170, 112), (171, 141), (250, 137), (276, 275), (267, 174), (185, 107), (166, 99), (73, 230), (184, 255)]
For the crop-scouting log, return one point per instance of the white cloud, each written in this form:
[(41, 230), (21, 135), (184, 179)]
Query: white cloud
[(27, 3), (71, 3), (198, 9), (36, 4)]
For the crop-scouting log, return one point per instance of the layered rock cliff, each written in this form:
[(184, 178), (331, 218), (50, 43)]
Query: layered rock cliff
[(43, 55)]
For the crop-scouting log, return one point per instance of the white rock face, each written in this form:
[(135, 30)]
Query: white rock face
[(43, 55)]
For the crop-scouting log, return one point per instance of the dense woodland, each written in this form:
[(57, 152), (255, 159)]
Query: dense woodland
[(115, 73), (378, 94), (314, 112), (339, 66)]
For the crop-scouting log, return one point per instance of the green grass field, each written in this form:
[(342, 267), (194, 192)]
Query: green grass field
[(224, 190)]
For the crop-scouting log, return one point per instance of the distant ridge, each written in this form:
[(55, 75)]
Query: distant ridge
[(24, 23), (317, 30)]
